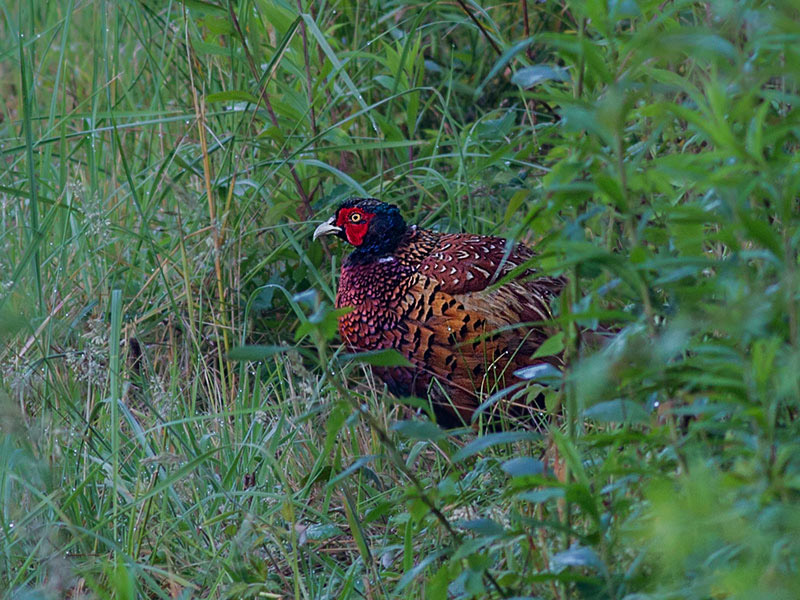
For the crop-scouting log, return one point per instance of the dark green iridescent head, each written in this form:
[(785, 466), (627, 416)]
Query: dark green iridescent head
[(373, 227)]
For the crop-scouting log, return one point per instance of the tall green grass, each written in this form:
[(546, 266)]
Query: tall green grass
[(178, 419)]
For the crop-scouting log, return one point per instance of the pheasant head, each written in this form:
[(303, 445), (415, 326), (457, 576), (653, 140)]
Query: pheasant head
[(375, 228)]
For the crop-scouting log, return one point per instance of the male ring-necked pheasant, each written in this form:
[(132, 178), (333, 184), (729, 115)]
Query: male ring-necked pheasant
[(432, 297)]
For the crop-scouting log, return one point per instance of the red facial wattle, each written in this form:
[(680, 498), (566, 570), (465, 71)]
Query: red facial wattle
[(355, 223), (355, 232)]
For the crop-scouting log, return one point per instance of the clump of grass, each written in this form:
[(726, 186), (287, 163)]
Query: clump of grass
[(177, 417)]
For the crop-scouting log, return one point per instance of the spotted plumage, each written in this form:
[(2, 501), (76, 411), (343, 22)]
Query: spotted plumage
[(432, 296)]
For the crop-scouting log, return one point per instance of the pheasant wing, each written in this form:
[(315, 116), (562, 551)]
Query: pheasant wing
[(462, 331)]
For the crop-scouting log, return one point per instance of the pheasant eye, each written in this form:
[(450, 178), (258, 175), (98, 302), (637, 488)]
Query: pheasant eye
[(355, 217)]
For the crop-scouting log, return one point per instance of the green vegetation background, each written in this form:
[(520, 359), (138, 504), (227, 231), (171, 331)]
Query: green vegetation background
[(177, 418)]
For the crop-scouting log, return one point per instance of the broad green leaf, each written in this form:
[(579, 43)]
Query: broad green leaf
[(483, 527), (543, 495), (203, 7), (577, 556), (232, 96), (763, 233), (419, 430), (418, 569), (523, 466), (514, 205), (357, 465), (552, 345), (619, 411), (490, 440), (504, 59), (532, 76), (379, 358), (542, 372)]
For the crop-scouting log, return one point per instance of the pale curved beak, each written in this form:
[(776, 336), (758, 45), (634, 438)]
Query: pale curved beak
[(326, 228)]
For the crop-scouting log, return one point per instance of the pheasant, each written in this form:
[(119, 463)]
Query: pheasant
[(432, 297)]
